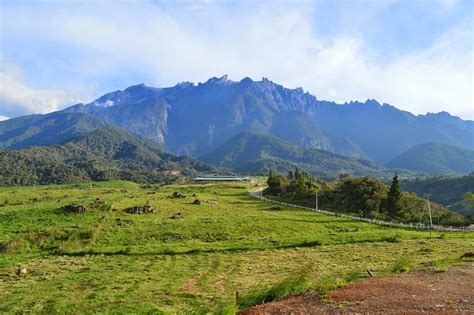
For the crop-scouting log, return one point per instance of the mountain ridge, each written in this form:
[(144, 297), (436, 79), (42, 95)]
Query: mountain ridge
[(105, 153), (436, 158), (256, 153), (194, 119)]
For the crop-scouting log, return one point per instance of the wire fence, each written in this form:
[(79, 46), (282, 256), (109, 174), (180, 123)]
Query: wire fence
[(258, 194)]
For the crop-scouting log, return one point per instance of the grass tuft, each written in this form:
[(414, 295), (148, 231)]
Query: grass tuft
[(292, 285), (404, 264)]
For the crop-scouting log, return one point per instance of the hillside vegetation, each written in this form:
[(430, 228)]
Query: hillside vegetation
[(362, 196), (257, 154), (103, 154), (108, 260), (436, 158), (43, 130), (446, 190)]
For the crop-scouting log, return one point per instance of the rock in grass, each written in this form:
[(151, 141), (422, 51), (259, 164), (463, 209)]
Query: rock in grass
[(196, 202), (75, 208), (141, 209), (21, 271), (177, 194), (177, 215)]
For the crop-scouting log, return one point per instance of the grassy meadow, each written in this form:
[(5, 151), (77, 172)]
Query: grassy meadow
[(107, 260)]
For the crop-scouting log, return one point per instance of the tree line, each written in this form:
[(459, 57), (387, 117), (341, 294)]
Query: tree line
[(363, 196)]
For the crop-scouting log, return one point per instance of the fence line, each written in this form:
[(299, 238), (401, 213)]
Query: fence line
[(258, 194)]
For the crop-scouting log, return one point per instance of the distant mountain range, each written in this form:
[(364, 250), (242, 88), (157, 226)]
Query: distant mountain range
[(436, 158), (103, 154), (197, 120), (255, 153)]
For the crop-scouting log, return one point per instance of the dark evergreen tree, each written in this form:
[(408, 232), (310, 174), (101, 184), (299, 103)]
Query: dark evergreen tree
[(270, 178), (291, 176), (297, 173), (393, 203)]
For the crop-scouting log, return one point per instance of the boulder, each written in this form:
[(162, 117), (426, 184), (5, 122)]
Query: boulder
[(141, 209), (21, 271), (177, 194), (74, 208)]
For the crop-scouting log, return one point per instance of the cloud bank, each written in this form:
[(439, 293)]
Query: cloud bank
[(113, 46), (16, 96)]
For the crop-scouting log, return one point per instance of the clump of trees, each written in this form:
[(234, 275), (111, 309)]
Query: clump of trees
[(363, 196)]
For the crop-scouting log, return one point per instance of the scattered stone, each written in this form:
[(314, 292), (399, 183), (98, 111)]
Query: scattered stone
[(141, 209), (194, 195), (196, 202), (177, 195), (464, 301), (4, 246), (75, 208), (211, 202), (370, 273), (177, 215), (121, 222), (21, 271), (275, 241)]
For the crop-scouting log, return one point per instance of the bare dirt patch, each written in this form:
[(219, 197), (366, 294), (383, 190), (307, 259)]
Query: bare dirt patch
[(416, 292)]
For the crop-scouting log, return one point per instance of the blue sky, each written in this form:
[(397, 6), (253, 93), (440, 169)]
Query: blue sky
[(416, 55)]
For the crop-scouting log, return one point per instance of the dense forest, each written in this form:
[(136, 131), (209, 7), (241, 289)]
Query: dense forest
[(449, 191), (253, 153), (104, 154), (435, 158), (363, 196)]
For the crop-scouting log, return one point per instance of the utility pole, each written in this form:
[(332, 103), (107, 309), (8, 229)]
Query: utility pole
[(429, 211), (317, 208)]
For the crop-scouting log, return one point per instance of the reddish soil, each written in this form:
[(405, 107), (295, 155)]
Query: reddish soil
[(447, 292)]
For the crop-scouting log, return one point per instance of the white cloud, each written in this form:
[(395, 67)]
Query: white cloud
[(16, 97), (280, 44), (2, 118)]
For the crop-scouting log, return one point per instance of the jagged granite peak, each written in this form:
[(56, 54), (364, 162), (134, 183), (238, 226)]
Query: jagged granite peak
[(132, 94), (215, 80), (185, 84)]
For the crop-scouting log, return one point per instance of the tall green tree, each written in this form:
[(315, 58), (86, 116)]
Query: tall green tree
[(275, 183), (393, 203), (291, 176), (270, 177)]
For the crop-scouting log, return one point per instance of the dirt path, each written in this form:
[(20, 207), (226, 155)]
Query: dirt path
[(417, 292)]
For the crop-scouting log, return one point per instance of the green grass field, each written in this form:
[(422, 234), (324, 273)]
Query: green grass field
[(107, 260)]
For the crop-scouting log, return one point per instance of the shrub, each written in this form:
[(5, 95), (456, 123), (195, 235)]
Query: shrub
[(404, 264)]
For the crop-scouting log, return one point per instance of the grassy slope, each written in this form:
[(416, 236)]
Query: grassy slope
[(192, 264)]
